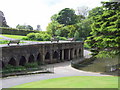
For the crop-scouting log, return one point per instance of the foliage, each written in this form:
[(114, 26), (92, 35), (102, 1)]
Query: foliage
[(3, 41), (76, 35), (61, 38), (15, 31), (31, 65), (67, 16), (24, 27), (105, 33), (38, 36)]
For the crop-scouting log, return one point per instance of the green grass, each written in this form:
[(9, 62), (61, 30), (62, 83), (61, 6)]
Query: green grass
[(14, 36), (1, 38), (74, 82), (3, 41)]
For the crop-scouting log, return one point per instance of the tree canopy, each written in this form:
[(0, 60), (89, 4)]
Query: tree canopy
[(105, 35)]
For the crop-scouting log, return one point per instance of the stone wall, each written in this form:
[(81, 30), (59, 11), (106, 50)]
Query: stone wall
[(42, 53)]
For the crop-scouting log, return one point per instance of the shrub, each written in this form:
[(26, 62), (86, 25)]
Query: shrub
[(31, 65), (61, 38), (38, 36)]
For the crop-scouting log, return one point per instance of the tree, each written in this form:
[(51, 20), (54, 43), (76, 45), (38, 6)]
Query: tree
[(52, 27), (24, 27), (76, 35), (67, 16), (105, 35)]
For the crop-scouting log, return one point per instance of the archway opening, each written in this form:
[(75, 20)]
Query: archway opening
[(22, 61), (31, 59), (12, 62), (39, 59), (47, 56), (66, 54), (55, 55), (79, 52)]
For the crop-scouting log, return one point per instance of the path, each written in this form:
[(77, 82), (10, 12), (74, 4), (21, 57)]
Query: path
[(60, 70)]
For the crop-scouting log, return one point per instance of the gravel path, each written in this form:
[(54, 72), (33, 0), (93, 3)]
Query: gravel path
[(63, 69)]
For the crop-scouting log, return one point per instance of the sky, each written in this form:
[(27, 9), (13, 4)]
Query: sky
[(38, 12)]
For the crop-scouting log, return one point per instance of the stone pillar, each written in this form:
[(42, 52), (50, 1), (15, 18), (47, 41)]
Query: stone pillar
[(77, 56), (43, 55), (51, 57), (62, 54), (82, 50), (68, 54)]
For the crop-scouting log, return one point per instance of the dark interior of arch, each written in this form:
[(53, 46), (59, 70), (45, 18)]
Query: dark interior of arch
[(12, 62), (39, 57), (55, 55), (47, 56), (31, 59), (22, 61), (66, 54)]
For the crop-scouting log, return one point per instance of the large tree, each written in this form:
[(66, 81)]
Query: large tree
[(67, 16), (105, 33)]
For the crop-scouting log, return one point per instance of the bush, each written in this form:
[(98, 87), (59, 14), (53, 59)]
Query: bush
[(61, 38), (31, 65), (31, 36), (38, 36), (15, 31)]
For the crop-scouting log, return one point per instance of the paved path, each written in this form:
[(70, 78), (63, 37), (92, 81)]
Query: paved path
[(60, 70)]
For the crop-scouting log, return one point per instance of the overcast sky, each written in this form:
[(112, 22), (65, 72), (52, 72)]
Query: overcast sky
[(34, 12)]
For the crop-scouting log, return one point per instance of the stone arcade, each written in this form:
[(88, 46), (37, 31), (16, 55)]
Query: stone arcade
[(42, 52)]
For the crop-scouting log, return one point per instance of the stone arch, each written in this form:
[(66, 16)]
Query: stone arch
[(3, 65), (39, 60), (47, 56), (31, 59), (79, 52), (55, 55), (12, 62), (22, 61), (66, 54), (75, 52)]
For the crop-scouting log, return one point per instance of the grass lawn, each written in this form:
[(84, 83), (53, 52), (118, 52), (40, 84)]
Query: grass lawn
[(14, 36), (74, 82), (1, 38), (3, 41)]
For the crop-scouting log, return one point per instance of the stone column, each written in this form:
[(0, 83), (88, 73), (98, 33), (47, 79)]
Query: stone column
[(77, 56), (43, 55), (68, 54), (51, 57), (62, 54), (82, 50)]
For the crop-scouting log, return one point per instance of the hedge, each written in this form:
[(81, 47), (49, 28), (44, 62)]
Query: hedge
[(15, 31)]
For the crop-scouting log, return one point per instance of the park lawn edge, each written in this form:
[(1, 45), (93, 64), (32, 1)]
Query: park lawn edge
[(74, 82)]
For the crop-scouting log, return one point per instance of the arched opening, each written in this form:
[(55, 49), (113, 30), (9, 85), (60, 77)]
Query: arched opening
[(47, 56), (22, 61), (31, 59), (66, 54), (55, 55), (12, 62), (39, 59), (3, 65), (75, 53), (79, 52)]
